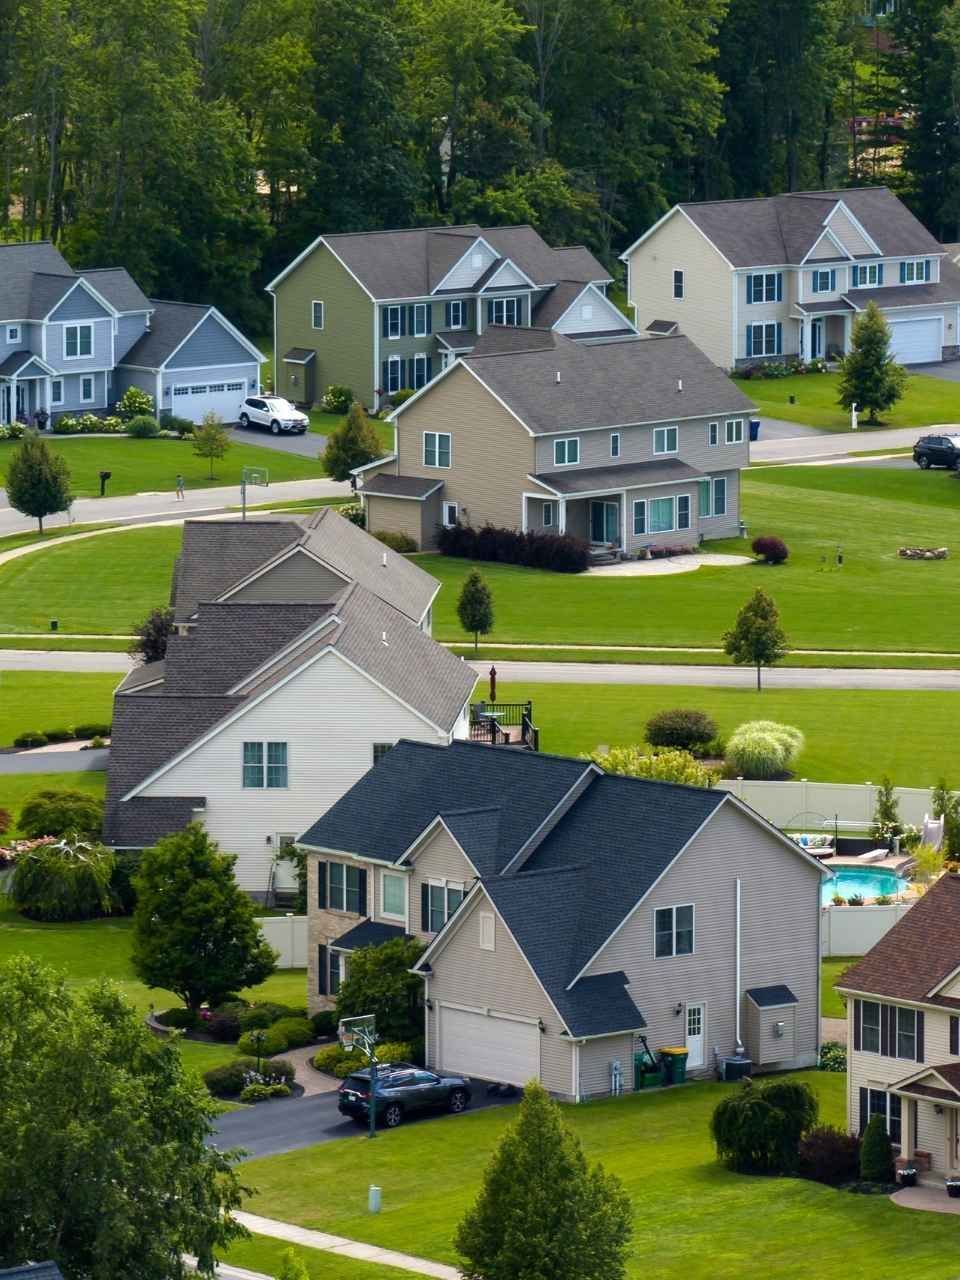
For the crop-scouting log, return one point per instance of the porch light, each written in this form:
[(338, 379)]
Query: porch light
[(541, 1026), (677, 1009)]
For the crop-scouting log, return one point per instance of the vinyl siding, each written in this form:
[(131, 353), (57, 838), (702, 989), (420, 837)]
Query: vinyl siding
[(297, 579), (29, 340), (124, 377), (396, 515), (129, 329), (636, 445), (595, 1058), (72, 389), (344, 346), (330, 715), (464, 273), (605, 315), (770, 312), (78, 306), (438, 858), (211, 344), (676, 538), (704, 312), (780, 927), (825, 249), (101, 356), (852, 240), (500, 981)]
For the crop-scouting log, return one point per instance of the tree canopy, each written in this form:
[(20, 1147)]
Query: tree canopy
[(38, 480), (870, 377), (756, 638)]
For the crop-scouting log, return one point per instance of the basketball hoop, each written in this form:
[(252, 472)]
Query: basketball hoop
[(358, 1033)]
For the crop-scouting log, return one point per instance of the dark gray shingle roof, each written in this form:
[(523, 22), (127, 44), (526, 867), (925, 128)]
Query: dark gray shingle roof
[(217, 554), (368, 933), (499, 338), (299, 355), (385, 485), (19, 265), (771, 997), (945, 290), (170, 323), (144, 820), (662, 327), (118, 287), (628, 475)]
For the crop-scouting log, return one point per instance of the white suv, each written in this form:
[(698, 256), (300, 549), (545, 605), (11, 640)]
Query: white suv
[(273, 412)]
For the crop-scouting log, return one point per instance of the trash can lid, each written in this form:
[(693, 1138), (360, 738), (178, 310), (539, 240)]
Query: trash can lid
[(675, 1049)]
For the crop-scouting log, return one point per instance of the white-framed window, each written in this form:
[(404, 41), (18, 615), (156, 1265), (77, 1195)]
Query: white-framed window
[(673, 931), (662, 515), (316, 314), (380, 749), (199, 390), (504, 311), (13, 333), (869, 1026), (719, 495), (867, 274), (488, 931), (77, 341), (823, 281), (766, 286), (338, 970), (86, 389), (181, 390), (476, 260), (915, 271), (442, 900), (419, 378), (566, 453), (265, 765), (420, 320), (683, 511), (888, 1105), (678, 285), (393, 373), (394, 322), (437, 448), (906, 1032), (450, 514), (56, 391), (713, 434), (614, 444), (665, 439), (586, 311), (343, 888), (393, 895), (639, 517), (239, 386), (457, 315), (764, 339), (734, 430), (548, 515)]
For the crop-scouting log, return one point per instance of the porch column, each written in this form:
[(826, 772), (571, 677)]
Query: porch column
[(562, 515), (908, 1137), (13, 399), (847, 322), (805, 338)]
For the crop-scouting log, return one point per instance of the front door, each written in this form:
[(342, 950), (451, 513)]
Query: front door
[(604, 522), (816, 339), (696, 1018)]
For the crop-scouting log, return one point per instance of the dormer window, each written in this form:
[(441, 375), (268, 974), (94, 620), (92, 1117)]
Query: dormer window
[(915, 271)]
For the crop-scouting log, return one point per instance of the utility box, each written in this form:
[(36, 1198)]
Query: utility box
[(770, 1024)]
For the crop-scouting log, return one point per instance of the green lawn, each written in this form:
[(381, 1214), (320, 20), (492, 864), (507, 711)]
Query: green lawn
[(852, 735), (324, 424), (693, 1219), (139, 466), (831, 967), (16, 788), (926, 401), (52, 700), (697, 657), (67, 644), (263, 1254)]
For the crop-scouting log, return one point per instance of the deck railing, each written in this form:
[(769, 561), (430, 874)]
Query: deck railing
[(491, 722)]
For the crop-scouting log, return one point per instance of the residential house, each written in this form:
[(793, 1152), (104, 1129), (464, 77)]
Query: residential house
[(302, 653), (73, 341), (629, 444), (382, 311), (785, 277), (568, 912), (903, 1033)]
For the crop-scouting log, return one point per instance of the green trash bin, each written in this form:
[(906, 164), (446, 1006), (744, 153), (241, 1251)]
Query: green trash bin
[(647, 1072), (673, 1060)]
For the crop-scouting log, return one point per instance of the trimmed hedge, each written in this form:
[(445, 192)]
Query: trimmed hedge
[(770, 549), (324, 1023), (829, 1155), (556, 551), (401, 542), (180, 1018), (259, 1016), (297, 1031), (229, 1079), (32, 738), (274, 1041), (681, 728)]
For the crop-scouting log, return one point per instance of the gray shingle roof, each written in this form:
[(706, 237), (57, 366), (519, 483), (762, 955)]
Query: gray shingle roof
[(610, 384), (945, 290), (499, 338), (118, 287), (144, 820), (385, 485), (217, 554), (170, 323), (145, 674), (556, 302), (823, 308), (457, 339), (46, 290), (15, 362), (626, 476), (771, 997), (299, 355), (368, 933), (19, 264), (662, 328)]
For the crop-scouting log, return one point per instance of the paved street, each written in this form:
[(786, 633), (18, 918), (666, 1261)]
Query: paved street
[(833, 444)]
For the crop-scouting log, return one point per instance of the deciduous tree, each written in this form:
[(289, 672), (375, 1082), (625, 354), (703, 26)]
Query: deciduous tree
[(211, 439), (475, 607), (757, 638), (379, 981), (38, 480), (353, 443), (153, 633)]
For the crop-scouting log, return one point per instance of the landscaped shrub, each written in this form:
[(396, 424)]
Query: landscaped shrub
[(829, 1155), (833, 1056), (182, 426), (6, 821), (337, 399), (659, 764), (353, 512), (178, 1017), (60, 735), (93, 730), (62, 881), (328, 1058), (13, 431), (400, 397), (126, 863), (758, 1128), (557, 551), (222, 1026), (257, 1016), (133, 403), (70, 424), (231, 1078), (273, 1042), (257, 1092), (680, 728), (763, 748), (324, 1023), (876, 1153), (296, 1031), (32, 738), (60, 813), (66, 425), (336, 1061), (143, 426), (770, 549), (396, 541)]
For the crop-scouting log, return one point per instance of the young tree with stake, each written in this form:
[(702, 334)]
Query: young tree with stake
[(211, 439), (757, 638), (475, 607)]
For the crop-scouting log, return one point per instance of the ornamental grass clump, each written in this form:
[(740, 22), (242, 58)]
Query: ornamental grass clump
[(763, 748)]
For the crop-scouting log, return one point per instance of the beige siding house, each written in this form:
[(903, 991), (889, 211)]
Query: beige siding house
[(533, 968), (785, 277)]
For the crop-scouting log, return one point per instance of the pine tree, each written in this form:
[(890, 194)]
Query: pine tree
[(757, 638), (542, 1213), (38, 481), (870, 377), (475, 607), (876, 1153), (352, 444), (947, 806)]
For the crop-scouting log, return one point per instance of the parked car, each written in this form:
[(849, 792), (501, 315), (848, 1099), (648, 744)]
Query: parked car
[(401, 1089), (273, 412), (937, 451)]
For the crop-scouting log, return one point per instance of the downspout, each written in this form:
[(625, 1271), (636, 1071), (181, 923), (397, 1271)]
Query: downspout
[(739, 1043)]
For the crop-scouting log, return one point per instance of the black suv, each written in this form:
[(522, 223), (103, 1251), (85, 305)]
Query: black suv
[(401, 1088), (937, 451)]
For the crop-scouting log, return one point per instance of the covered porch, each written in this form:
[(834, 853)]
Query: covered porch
[(929, 1106), (25, 387), (825, 329)]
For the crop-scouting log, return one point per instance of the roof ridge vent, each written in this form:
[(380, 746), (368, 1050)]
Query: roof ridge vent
[(558, 375), (383, 639), (679, 384)]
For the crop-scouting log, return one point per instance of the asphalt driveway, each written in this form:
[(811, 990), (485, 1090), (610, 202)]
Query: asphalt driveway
[(309, 445), (948, 370)]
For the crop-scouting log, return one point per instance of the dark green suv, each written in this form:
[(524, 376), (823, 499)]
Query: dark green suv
[(401, 1090)]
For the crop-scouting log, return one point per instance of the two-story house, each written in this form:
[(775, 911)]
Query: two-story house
[(629, 444), (73, 341), (903, 1033), (567, 912), (302, 653), (784, 277), (385, 311)]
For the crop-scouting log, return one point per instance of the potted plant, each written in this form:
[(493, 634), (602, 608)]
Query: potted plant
[(907, 1176), (953, 1188)]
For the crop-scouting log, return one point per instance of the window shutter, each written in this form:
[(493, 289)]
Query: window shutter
[(919, 1035), (447, 315), (411, 323), (749, 293), (864, 1110), (429, 367), (425, 908), (321, 885), (429, 317), (322, 970), (854, 276), (857, 1006), (403, 372), (880, 273), (955, 1035), (489, 313), (403, 320), (385, 375), (748, 347), (520, 311), (779, 286), (385, 322), (903, 273), (833, 279), (926, 269), (779, 338), (885, 1011), (362, 887)]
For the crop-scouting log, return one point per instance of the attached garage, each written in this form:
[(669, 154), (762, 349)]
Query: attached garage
[(916, 341), (488, 1046), (193, 399)]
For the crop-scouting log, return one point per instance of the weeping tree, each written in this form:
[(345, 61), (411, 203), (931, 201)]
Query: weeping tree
[(758, 1128), (66, 880)]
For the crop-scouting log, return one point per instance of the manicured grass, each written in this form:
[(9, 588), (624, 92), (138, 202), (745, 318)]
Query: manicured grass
[(926, 401), (693, 1219), (67, 644), (11, 541), (52, 700), (16, 788), (695, 657), (852, 735), (831, 1003), (324, 424), (140, 466), (264, 1254)]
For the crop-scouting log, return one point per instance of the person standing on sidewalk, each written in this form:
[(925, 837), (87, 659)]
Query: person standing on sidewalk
[(179, 488)]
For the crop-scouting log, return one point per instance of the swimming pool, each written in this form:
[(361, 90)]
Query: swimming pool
[(869, 883)]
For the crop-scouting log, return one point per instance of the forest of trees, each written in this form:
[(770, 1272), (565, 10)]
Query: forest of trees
[(203, 143)]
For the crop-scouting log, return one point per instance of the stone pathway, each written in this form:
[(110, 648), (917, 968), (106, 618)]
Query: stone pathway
[(670, 564), (931, 1199), (345, 1248), (311, 1081)]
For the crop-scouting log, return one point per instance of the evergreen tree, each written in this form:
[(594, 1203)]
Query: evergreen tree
[(211, 439), (194, 929), (38, 480), (475, 607), (756, 638), (542, 1213), (870, 378), (886, 814), (876, 1153), (353, 443), (946, 805), (153, 634)]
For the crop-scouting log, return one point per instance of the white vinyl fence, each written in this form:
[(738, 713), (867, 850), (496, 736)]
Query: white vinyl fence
[(816, 806), (852, 931), (288, 936)]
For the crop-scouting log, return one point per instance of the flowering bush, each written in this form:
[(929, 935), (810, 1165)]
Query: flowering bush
[(13, 431), (87, 424), (134, 401), (337, 399)]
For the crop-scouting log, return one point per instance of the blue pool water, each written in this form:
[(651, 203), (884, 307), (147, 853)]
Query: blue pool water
[(868, 883)]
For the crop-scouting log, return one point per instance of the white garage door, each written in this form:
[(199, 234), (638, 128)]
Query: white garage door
[(491, 1048), (916, 341), (193, 399)]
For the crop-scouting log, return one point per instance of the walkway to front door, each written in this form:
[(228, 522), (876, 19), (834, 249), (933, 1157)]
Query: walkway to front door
[(605, 522)]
